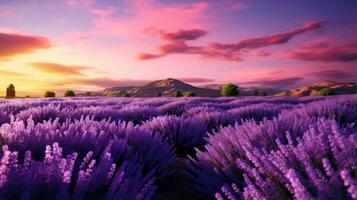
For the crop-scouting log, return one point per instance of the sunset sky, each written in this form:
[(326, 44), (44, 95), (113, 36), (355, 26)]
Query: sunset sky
[(94, 44)]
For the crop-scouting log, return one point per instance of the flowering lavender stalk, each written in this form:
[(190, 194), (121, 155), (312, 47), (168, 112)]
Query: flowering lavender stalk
[(232, 151), (308, 169), (53, 177), (183, 134)]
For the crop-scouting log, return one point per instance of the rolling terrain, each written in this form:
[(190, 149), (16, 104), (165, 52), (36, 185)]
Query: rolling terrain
[(168, 87), (339, 87)]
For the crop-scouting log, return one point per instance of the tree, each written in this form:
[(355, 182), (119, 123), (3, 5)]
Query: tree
[(256, 93), (326, 92), (159, 94), (229, 90), (88, 94), (69, 93), (10, 91), (178, 94), (189, 94), (264, 93), (50, 94)]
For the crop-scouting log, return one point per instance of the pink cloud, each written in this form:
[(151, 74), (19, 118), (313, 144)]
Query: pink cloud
[(324, 52), (263, 53), (259, 42), (55, 68), (147, 56), (177, 43), (191, 34), (12, 44), (178, 46)]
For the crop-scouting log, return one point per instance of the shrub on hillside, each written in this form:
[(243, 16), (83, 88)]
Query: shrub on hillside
[(326, 92), (229, 90), (189, 94), (178, 94), (256, 93), (121, 93), (69, 93), (50, 94)]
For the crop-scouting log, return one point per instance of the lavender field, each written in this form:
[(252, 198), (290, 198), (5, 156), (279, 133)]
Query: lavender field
[(179, 148)]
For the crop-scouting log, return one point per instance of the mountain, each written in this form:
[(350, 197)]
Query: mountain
[(338, 87), (166, 87)]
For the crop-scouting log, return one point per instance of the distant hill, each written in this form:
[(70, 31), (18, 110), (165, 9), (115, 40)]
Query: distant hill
[(338, 87), (166, 87)]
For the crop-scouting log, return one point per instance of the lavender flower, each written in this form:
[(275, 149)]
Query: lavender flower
[(183, 134)]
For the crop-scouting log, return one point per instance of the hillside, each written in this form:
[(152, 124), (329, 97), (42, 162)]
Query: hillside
[(166, 87), (338, 87), (246, 91)]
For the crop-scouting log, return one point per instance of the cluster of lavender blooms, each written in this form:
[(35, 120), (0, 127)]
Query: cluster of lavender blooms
[(306, 152), (123, 140), (235, 148), (317, 166), (66, 177), (177, 131), (135, 114)]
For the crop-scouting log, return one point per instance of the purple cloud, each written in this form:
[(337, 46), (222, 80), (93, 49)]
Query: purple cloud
[(177, 43), (191, 34), (260, 42)]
